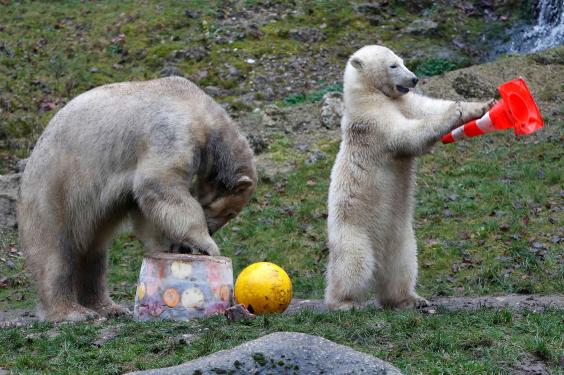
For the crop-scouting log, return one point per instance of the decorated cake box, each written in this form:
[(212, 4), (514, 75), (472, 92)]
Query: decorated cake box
[(183, 287)]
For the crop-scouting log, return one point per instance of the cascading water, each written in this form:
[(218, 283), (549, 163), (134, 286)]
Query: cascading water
[(547, 32)]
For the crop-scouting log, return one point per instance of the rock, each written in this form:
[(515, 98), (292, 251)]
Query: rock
[(212, 90), (271, 115), (473, 86), (9, 185), (421, 26), (372, 8), (234, 72), (196, 54), (171, 70), (284, 353), (316, 156), (186, 338), (20, 165), (106, 334), (191, 14), (307, 35), (332, 108), (237, 313), (530, 365), (257, 143)]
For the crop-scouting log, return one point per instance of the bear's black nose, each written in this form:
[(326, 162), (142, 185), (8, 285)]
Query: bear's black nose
[(415, 80)]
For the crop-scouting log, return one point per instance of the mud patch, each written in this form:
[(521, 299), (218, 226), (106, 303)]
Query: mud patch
[(530, 365)]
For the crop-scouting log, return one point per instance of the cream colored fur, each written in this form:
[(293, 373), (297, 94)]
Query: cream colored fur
[(161, 151), (371, 195)]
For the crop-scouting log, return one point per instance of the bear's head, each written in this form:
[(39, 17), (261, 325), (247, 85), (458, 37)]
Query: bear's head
[(376, 68), (227, 177)]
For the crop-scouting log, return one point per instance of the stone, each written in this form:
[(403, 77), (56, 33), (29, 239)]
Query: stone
[(284, 353), (20, 165), (307, 35), (471, 85), (237, 313), (171, 70), (332, 108), (315, 157), (212, 90), (9, 185), (272, 115), (257, 143), (421, 26)]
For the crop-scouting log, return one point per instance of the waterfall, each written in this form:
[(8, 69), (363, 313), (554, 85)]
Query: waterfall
[(547, 32)]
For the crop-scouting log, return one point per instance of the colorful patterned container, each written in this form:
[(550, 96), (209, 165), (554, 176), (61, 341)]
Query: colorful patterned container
[(182, 287)]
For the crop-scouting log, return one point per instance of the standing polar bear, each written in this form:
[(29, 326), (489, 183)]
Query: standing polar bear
[(371, 195), (161, 151)]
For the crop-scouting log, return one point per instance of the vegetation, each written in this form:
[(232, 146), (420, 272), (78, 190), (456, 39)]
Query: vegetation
[(488, 216)]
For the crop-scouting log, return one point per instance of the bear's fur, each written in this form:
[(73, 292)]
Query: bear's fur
[(161, 152), (371, 196)]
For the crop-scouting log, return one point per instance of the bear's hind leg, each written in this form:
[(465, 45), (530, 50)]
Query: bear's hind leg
[(92, 285), (92, 269), (395, 279), (54, 267), (350, 269)]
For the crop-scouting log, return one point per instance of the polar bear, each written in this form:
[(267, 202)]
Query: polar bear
[(385, 126), (162, 152)]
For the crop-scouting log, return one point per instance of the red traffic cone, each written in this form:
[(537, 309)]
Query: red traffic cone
[(516, 109)]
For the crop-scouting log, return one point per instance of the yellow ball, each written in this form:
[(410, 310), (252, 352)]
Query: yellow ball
[(263, 288)]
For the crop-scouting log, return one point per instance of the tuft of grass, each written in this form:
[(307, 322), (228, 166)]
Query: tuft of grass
[(312, 96), (434, 66)]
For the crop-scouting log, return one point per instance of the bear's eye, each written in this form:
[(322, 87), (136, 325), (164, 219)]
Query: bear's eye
[(393, 66)]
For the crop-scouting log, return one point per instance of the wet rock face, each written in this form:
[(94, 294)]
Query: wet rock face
[(284, 353)]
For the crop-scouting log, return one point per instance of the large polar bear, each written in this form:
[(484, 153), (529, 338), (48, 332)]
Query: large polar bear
[(161, 152), (371, 195)]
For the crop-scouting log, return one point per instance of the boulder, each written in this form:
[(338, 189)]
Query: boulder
[(332, 108), (470, 85), (421, 26), (9, 185), (284, 353)]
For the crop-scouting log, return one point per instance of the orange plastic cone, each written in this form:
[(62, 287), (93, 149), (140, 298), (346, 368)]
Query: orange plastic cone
[(516, 109)]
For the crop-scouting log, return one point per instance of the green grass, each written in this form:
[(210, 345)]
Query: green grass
[(488, 209), (52, 51), (503, 196), (479, 342)]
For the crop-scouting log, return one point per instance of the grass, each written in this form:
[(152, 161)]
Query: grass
[(52, 51), (488, 218), (485, 341)]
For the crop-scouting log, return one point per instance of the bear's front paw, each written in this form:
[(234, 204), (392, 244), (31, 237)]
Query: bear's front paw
[(472, 111), (206, 248), (212, 249), (411, 301), (345, 305)]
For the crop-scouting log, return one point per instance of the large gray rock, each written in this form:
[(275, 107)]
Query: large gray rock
[(284, 353), (9, 185), (421, 26), (332, 108)]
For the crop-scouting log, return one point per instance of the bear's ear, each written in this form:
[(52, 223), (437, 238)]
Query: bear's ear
[(355, 61), (243, 184)]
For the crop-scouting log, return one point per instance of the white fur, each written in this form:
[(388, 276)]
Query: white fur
[(371, 195)]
